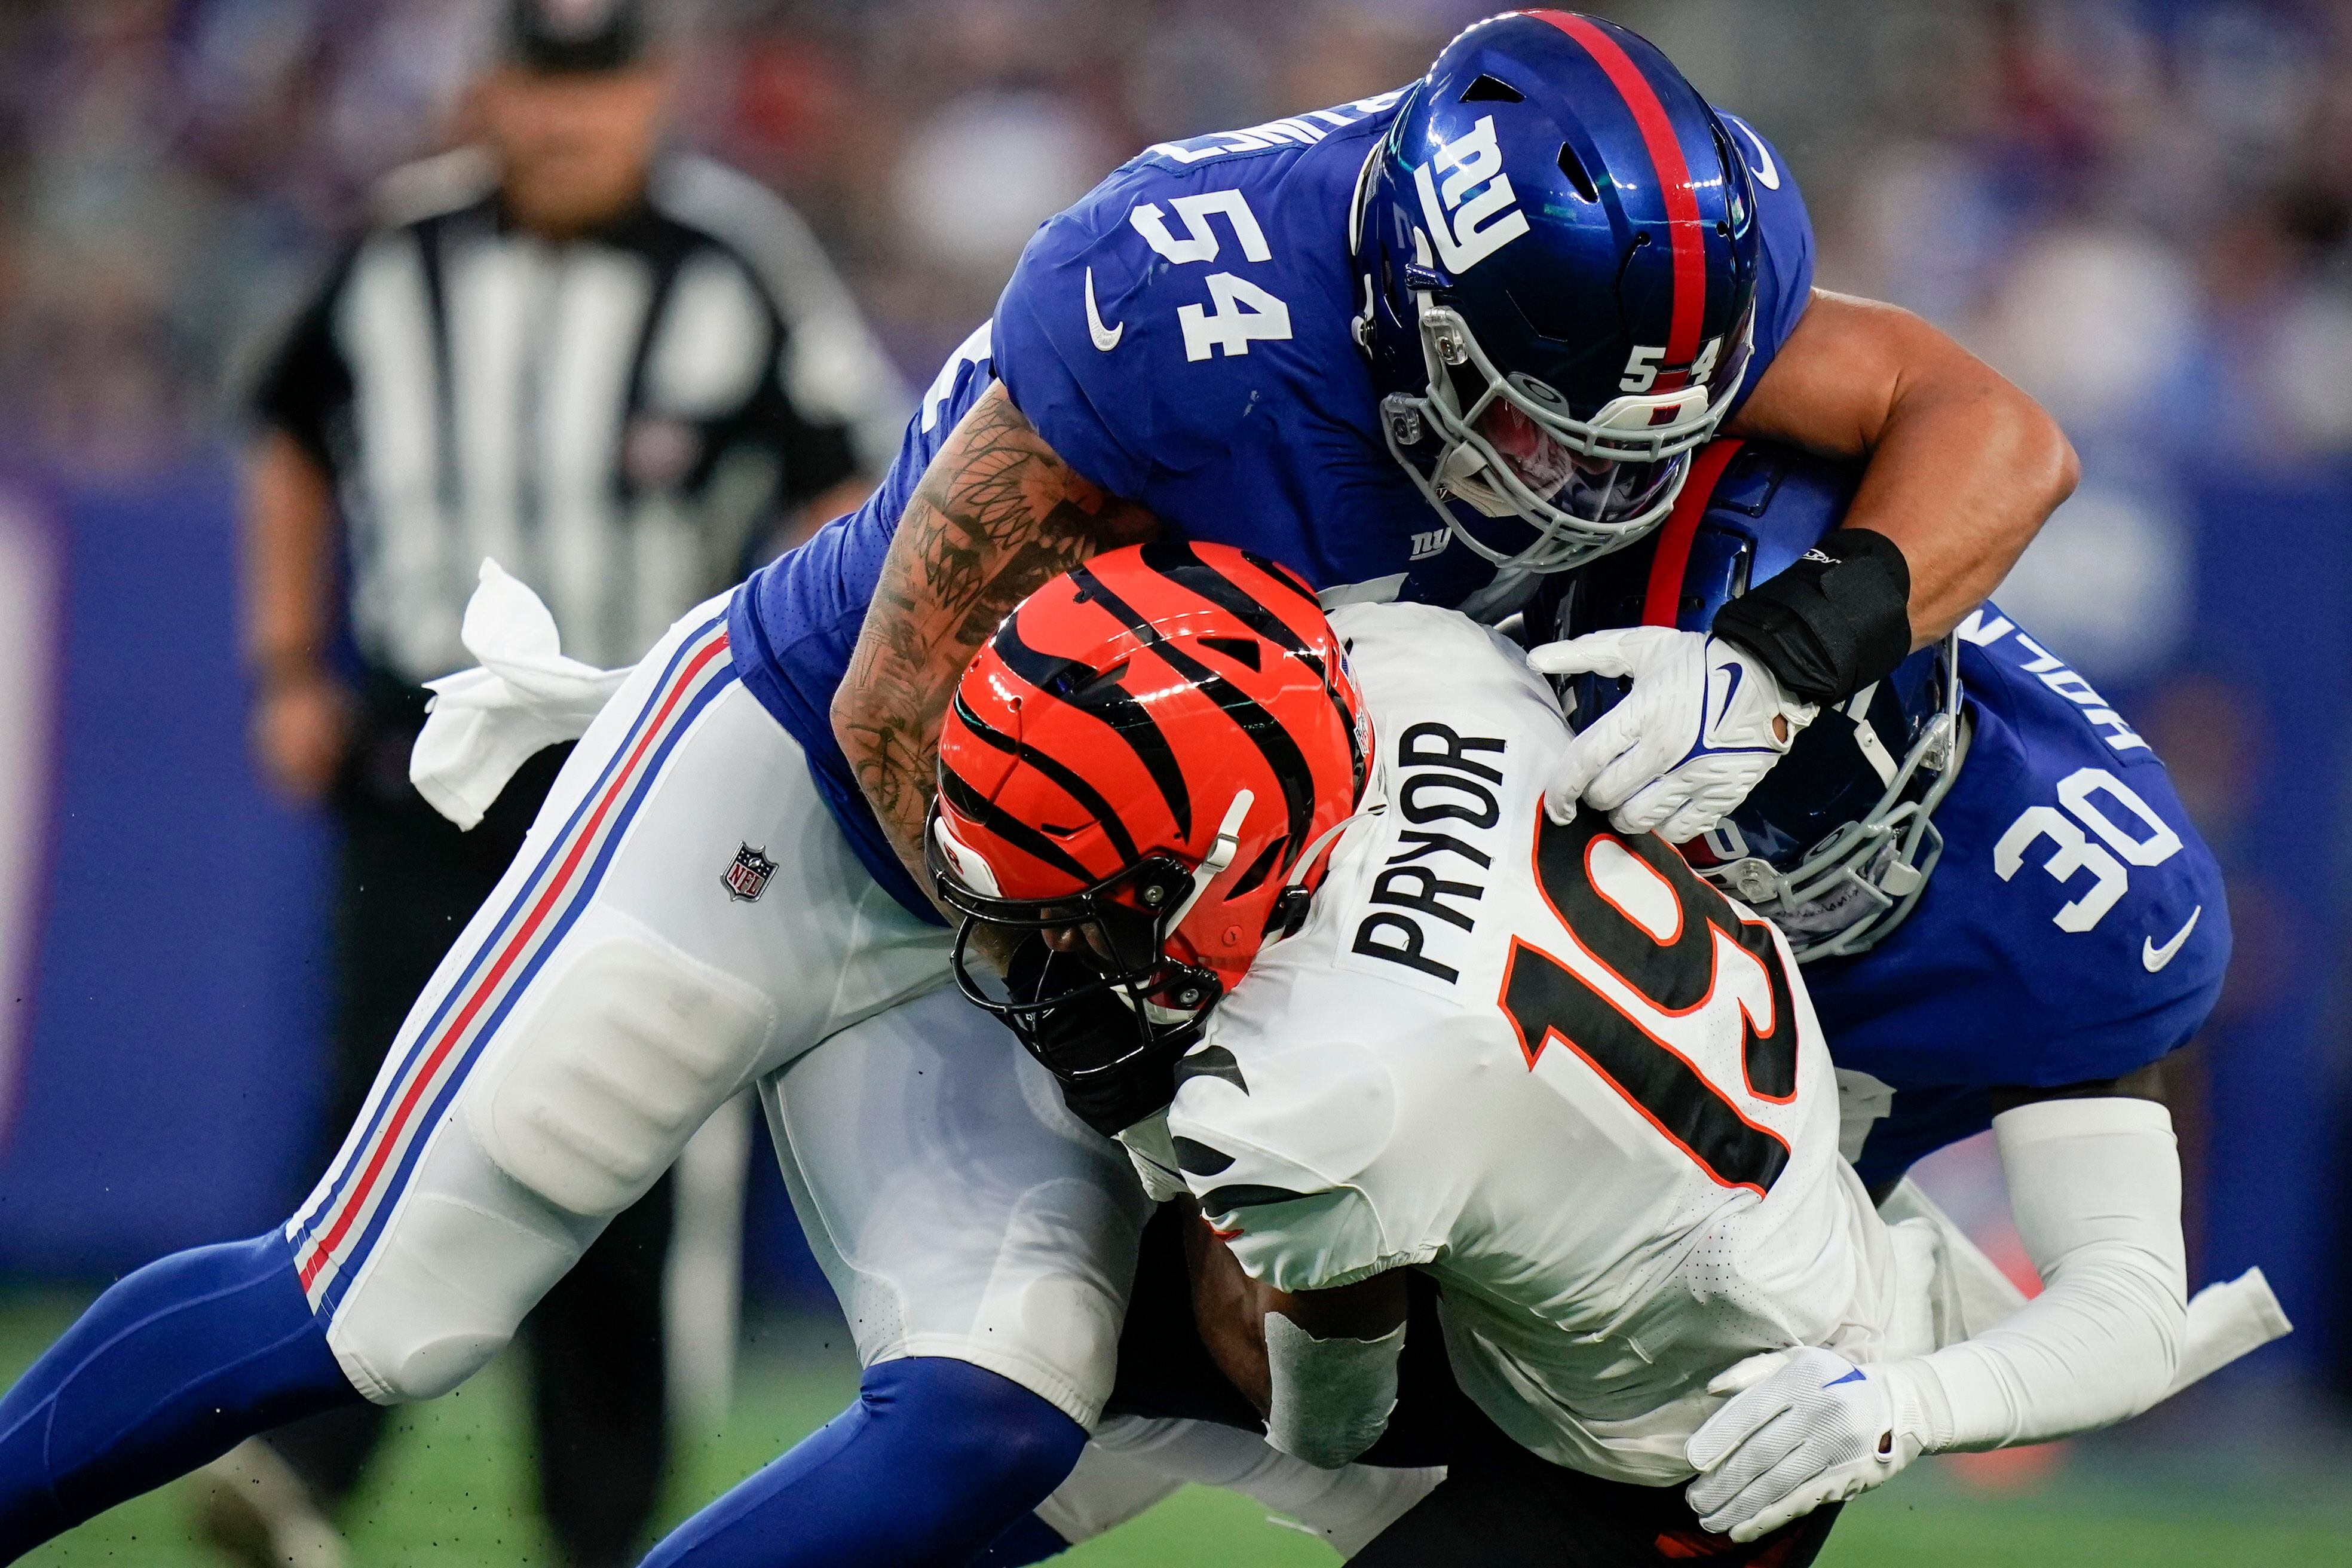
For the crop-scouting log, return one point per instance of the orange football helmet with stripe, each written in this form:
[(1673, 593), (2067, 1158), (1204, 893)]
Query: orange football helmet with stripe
[(1152, 750)]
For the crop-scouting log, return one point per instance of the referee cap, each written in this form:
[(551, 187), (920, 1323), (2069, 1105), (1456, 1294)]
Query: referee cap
[(578, 35)]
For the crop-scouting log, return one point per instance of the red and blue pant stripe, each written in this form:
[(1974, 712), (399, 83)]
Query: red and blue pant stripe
[(340, 1228)]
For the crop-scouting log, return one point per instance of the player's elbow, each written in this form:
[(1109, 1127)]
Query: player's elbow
[(2139, 1303), (1329, 1434), (2041, 463), (864, 741), (1330, 1398), (2046, 456), (1981, 418), (841, 717)]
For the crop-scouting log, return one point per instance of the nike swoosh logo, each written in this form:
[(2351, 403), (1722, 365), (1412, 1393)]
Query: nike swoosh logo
[(2155, 957), (1854, 1377), (1106, 338), (1770, 173), (1730, 687)]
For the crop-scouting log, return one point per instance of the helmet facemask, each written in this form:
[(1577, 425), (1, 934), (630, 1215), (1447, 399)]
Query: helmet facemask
[(1115, 944), (1847, 893), (1597, 488), (1496, 435)]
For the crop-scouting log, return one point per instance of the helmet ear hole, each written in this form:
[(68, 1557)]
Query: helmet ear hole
[(1573, 167), (1733, 168)]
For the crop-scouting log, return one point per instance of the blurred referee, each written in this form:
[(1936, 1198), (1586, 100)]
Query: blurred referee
[(620, 372)]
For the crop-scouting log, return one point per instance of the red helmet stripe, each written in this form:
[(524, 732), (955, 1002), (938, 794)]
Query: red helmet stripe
[(1683, 237), (1109, 702), (1088, 797), (1662, 603)]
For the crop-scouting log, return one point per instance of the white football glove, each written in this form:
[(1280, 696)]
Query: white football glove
[(1690, 740), (1811, 1427)]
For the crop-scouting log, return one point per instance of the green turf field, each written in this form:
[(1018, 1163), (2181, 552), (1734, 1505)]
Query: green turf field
[(453, 1491)]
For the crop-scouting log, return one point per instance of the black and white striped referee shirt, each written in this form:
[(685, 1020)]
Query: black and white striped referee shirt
[(614, 419)]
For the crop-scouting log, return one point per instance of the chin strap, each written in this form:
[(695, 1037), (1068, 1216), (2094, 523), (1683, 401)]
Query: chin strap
[(1290, 906), (1221, 855)]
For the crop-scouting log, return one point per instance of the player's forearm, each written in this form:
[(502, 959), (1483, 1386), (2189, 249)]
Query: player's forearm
[(1963, 467), (1331, 1364), (1965, 476), (997, 516), (1229, 1310), (2095, 1185), (289, 552)]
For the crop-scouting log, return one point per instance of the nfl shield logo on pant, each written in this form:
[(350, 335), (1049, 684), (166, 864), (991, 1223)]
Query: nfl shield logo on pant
[(748, 878)]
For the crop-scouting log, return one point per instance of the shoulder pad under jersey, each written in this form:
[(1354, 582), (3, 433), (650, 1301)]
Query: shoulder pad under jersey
[(1276, 1141)]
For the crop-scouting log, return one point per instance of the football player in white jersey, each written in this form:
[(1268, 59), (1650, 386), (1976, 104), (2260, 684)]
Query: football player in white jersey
[(1545, 1066)]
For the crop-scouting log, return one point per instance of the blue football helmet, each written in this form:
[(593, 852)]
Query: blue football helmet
[(1837, 845), (1558, 248)]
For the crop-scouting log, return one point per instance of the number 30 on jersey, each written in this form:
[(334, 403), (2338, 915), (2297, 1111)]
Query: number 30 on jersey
[(2143, 839)]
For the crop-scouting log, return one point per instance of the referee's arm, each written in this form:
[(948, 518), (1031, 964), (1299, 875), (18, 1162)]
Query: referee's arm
[(301, 723)]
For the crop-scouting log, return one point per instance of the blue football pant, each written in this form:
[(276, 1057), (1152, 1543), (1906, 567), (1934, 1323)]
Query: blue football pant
[(173, 1367), (935, 1461)]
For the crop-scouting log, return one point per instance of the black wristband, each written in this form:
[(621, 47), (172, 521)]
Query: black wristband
[(1832, 623)]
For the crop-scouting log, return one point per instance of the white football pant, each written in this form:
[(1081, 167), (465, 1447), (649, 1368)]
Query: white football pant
[(618, 988)]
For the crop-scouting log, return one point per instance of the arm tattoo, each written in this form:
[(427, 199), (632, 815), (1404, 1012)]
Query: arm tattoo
[(997, 516)]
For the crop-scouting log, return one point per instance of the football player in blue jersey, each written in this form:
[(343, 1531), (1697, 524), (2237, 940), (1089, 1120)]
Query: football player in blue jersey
[(1439, 345), (1436, 345), (1984, 867)]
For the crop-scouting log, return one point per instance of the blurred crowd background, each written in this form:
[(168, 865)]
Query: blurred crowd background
[(2141, 211)]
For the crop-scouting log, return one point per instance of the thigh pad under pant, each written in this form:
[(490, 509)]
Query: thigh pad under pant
[(626, 1052)]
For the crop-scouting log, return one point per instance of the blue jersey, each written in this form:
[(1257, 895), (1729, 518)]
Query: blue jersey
[(1184, 338), (2073, 930)]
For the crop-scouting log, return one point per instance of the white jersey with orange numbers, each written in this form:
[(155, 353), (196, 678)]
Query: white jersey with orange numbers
[(1548, 1066)]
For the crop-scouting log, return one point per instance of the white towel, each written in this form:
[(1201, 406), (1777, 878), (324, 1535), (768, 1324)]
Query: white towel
[(485, 724)]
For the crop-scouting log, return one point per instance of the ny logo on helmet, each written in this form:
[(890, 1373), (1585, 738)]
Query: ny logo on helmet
[(1487, 222)]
